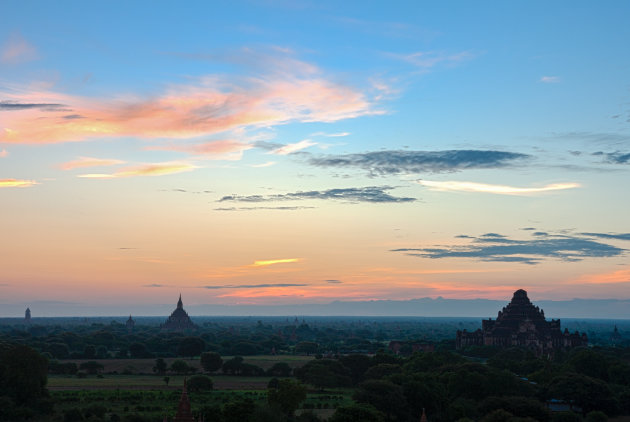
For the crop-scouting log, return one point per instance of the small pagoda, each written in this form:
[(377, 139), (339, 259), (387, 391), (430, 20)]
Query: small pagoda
[(179, 319)]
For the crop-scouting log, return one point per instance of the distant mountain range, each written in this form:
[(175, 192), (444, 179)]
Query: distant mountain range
[(428, 307)]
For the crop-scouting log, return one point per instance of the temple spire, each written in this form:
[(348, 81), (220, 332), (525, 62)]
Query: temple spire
[(423, 418), (179, 302)]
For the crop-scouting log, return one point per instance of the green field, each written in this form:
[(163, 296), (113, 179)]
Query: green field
[(145, 366), (150, 382), (149, 396)]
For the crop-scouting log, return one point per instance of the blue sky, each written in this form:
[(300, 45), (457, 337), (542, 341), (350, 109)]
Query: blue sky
[(146, 144)]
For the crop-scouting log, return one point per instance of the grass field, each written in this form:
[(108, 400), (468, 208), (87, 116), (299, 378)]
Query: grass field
[(150, 382), (126, 394), (145, 366)]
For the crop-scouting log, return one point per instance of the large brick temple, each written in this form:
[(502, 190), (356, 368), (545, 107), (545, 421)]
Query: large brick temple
[(521, 324)]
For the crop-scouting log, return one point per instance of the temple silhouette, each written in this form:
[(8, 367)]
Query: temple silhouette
[(521, 324), (179, 319)]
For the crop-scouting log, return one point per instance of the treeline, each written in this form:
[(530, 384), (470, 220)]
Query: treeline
[(99, 341)]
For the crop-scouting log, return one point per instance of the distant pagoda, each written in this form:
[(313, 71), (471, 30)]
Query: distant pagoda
[(27, 316), (179, 319), (521, 324), (130, 324)]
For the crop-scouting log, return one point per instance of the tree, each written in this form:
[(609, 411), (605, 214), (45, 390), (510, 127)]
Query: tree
[(596, 416), (324, 373), (89, 352), (180, 367), (139, 351), (211, 361), (160, 366), (191, 346), (287, 396), (59, 350), (357, 364), (357, 412), (233, 366), (279, 369), (307, 347), (199, 383), (166, 380), (239, 411), (23, 377), (383, 395)]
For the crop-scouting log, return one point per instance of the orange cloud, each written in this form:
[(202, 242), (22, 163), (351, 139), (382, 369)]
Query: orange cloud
[(15, 183), (17, 50), (159, 169), (89, 162), (619, 276), (274, 261), (210, 106)]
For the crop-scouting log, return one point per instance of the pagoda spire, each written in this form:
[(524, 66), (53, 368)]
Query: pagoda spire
[(179, 302), (423, 418), (184, 413)]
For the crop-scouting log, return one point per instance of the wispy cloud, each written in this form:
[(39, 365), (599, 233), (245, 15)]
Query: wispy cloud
[(458, 186), (262, 208), (291, 148), (267, 164), (4, 153), (374, 194), (254, 286), (159, 169), (617, 236), (493, 247), (225, 149), (82, 162), (207, 105), (16, 183), (331, 135), (268, 262), (615, 157), (396, 161), (20, 106), (17, 50), (334, 281), (550, 79), (426, 60)]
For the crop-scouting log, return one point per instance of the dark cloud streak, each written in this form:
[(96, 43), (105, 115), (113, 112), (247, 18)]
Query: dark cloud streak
[(381, 163), (497, 248), (373, 194), (13, 106)]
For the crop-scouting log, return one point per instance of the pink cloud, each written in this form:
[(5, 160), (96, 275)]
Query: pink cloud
[(17, 50), (89, 162), (158, 169), (226, 149), (4, 153), (210, 106)]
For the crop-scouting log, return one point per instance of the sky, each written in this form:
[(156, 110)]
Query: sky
[(298, 152)]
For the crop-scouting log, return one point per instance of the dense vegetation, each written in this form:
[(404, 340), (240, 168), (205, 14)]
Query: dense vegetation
[(348, 373)]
